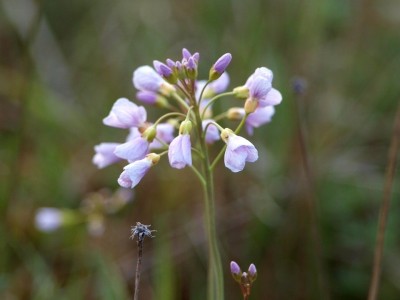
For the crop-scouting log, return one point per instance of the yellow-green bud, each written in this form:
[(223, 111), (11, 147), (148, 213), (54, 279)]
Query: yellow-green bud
[(186, 127), (154, 157), (150, 133), (226, 133), (241, 92), (235, 113)]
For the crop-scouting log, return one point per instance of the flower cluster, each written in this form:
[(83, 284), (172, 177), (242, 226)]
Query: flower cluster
[(245, 279), (189, 123)]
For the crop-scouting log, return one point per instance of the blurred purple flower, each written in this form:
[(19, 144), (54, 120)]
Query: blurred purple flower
[(212, 133), (252, 270), (125, 114), (165, 133), (180, 152), (48, 219), (105, 155)]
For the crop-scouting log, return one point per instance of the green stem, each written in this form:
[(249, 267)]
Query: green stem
[(215, 273)]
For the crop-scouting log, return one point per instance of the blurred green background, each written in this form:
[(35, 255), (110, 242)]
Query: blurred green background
[(63, 64)]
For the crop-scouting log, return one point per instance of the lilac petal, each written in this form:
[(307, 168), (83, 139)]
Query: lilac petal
[(219, 85), (265, 73), (165, 70), (156, 65), (147, 97), (260, 87), (180, 152), (125, 114), (133, 150), (134, 172), (165, 133), (145, 78), (260, 116), (196, 57), (222, 63), (191, 64), (273, 97), (133, 134), (105, 155), (170, 63), (238, 152), (212, 133), (186, 54)]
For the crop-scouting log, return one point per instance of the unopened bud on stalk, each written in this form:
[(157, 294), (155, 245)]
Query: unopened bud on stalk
[(150, 133), (241, 92), (236, 272), (220, 66), (252, 273), (186, 127), (235, 113)]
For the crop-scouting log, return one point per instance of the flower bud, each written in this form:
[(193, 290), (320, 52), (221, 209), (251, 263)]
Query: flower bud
[(154, 157), (252, 272), (150, 133), (236, 272), (186, 127), (235, 113), (250, 105), (241, 92), (191, 68), (219, 67)]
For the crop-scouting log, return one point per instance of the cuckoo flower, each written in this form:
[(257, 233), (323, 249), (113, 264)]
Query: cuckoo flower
[(105, 155), (134, 172), (180, 149), (125, 114), (146, 79), (260, 88), (238, 151), (134, 149), (220, 66)]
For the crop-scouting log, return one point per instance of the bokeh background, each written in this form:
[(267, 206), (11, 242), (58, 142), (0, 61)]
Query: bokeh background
[(62, 65)]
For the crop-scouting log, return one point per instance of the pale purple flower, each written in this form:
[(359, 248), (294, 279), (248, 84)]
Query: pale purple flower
[(134, 149), (222, 63), (260, 116), (238, 151), (260, 88), (235, 269), (105, 155), (133, 133), (147, 79), (165, 133), (48, 219), (125, 114), (170, 63), (212, 133), (134, 172), (147, 97), (180, 152)]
